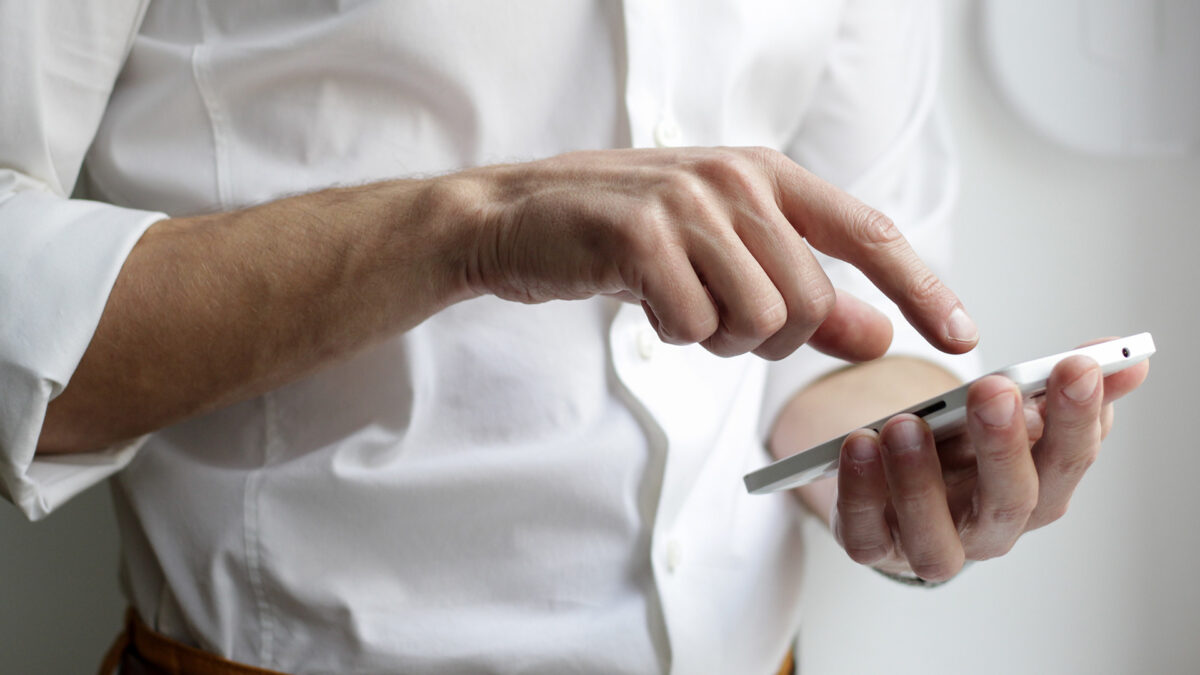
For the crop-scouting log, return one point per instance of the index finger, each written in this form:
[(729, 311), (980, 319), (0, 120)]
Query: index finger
[(839, 225)]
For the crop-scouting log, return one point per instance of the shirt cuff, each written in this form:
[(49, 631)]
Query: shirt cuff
[(58, 263)]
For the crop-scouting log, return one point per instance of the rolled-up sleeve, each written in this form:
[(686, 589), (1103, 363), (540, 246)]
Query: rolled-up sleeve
[(59, 257), (875, 130)]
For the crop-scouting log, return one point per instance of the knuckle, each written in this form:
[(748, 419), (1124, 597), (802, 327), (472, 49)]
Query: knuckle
[(924, 284), (914, 498), (991, 550), (693, 328), (721, 163), (857, 506), (872, 227), (1050, 513), (1059, 511), (816, 302), (722, 344), (768, 321), (1006, 456), (690, 187), (719, 343), (767, 160), (775, 349), (1073, 415), (764, 155), (1007, 451), (735, 170), (1015, 513), (1076, 464), (771, 163)]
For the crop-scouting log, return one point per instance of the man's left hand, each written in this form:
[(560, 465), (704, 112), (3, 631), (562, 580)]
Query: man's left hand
[(907, 505)]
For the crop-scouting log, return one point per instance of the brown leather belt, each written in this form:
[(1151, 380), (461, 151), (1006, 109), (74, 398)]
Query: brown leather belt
[(139, 650), (788, 667)]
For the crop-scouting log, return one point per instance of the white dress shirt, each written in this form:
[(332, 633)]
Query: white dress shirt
[(506, 487)]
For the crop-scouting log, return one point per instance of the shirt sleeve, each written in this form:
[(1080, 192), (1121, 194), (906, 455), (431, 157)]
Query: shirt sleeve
[(874, 129), (59, 257)]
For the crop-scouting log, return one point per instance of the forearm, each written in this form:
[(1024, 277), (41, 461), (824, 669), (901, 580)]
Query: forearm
[(845, 400), (214, 309)]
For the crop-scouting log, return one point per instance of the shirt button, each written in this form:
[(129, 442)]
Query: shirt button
[(674, 555), (667, 133), (647, 343)]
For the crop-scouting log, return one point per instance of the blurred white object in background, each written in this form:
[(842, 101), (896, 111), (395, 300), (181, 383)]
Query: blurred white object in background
[(1106, 77)]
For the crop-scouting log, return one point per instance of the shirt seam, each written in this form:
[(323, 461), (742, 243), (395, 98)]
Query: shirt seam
[(251, 525), (216, 122), (252, 541)]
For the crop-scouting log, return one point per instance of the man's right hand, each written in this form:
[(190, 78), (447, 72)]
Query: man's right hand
[(712, 242)]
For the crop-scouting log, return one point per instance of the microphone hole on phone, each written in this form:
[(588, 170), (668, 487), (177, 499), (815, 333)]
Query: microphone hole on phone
[(1125, 352)]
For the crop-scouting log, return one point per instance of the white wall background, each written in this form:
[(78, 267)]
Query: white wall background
[(1055, 248), (59, 603)]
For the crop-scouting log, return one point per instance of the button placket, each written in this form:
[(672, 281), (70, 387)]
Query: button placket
[(668, 133), (647, 343), (674, 555)]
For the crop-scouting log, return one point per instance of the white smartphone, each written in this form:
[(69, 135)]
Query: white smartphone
[(946, 414)]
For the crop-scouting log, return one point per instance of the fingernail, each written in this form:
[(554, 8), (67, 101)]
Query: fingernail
[(904, 436), (998, 411), (1083, 387), (860, 448), (960, 327)]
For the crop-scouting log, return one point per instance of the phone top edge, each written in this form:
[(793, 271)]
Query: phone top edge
[(1112, 356), (791, 481), (801, 467)]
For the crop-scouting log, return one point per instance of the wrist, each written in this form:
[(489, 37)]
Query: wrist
[(460, 214)]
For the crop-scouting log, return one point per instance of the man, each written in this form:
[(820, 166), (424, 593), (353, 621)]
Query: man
[(430, 424)]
